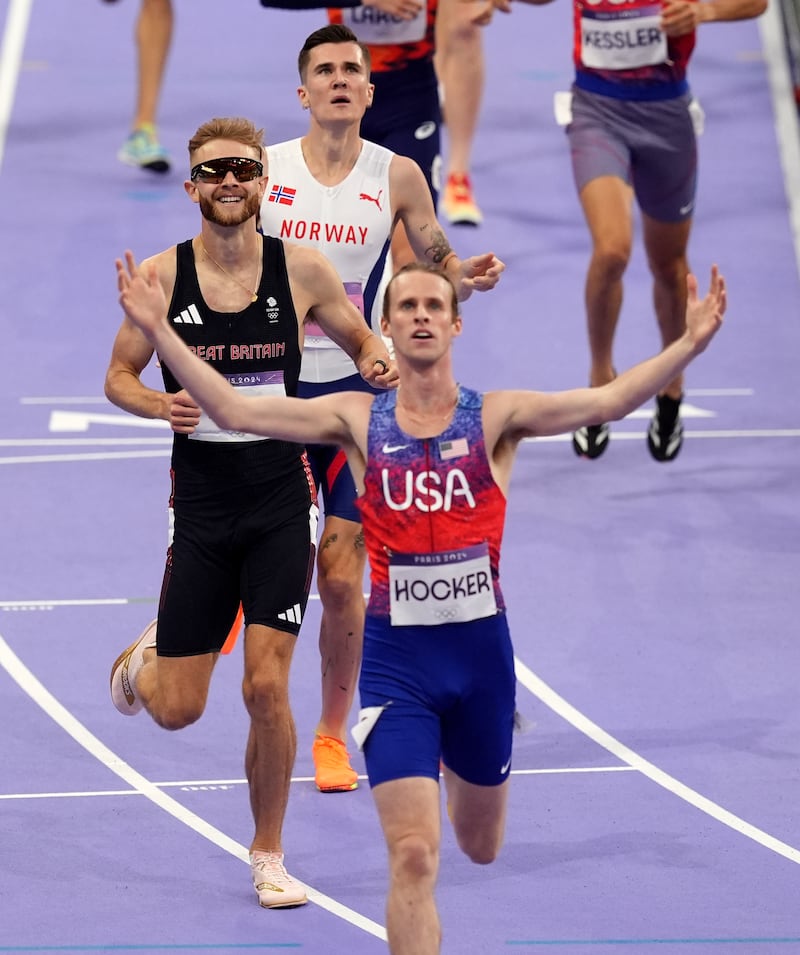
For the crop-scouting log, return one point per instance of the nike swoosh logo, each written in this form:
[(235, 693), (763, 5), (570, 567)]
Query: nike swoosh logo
[(391, 448), (504, 769)]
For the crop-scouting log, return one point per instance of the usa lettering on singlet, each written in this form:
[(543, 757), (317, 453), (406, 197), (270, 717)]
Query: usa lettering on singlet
[(621, 36), (350, 223)]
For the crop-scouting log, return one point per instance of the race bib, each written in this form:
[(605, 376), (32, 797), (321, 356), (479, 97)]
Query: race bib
[(371, 25), (452, 586), (613, 42), (251, 384), (315, 337)]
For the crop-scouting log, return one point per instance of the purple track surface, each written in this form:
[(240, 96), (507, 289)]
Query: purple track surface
[(654, 607)]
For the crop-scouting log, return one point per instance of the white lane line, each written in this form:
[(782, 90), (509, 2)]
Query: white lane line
[(13, 44), (559, 705), (787, 127), (81, 442), (211, 785), (90, 602), (23, 677), (66, 400), (691, 435), (89, 456)]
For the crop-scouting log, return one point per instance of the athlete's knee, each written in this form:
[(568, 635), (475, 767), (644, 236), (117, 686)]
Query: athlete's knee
[(670, 272), (265, 694), (339, 580), (610, 257), (176, 715), (414, 858), (480, 846)]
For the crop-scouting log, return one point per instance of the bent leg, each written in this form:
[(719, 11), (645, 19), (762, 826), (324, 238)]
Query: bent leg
[(174, 690), (410, 817), (478, 815)]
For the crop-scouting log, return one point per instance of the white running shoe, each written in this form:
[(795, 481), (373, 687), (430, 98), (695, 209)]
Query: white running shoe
[(125, 670), (275, 888)]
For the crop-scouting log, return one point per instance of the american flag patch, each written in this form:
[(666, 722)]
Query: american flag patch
[(283, 195), (453, 449)]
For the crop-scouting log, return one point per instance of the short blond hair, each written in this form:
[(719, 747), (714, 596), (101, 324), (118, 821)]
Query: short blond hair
[(237, 128)]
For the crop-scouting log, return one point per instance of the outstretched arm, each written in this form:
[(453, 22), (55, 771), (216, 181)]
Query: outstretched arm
[(318, 291), (528, 414), (292, 419), (414, 207)]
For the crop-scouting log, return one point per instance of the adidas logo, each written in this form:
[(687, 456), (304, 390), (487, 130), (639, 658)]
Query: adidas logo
[(189, 316), (292, 615)]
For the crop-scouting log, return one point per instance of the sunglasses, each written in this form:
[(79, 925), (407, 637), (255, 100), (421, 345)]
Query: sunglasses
[(217, 169)]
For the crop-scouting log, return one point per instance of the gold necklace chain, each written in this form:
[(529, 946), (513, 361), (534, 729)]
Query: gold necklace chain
[(422, 414), (253, 295)]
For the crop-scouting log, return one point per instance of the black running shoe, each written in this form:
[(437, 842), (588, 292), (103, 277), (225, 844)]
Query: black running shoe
[(591, 441), (665, 434)]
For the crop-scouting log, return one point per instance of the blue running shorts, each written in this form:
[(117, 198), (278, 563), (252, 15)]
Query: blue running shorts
[(449, 694)]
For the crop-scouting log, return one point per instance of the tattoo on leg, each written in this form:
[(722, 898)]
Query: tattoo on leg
[(330, 539)]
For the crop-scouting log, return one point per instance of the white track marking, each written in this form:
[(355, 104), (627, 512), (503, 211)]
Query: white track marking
[(13, 43), (598, 735), (23, 677)]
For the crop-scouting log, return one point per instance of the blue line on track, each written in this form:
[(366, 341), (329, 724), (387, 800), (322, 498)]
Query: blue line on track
[(194, 947), (653, 941)]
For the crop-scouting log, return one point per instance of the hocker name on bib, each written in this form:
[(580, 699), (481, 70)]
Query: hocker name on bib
[(452, 586)]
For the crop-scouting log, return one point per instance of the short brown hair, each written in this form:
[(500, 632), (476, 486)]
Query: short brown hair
[(430, 269), (237, 128), (332, 33)]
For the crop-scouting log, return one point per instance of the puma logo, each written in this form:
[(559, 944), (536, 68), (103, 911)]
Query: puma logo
[(375, 199)]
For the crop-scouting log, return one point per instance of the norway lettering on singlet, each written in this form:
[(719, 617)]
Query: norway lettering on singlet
[(256, 349), (350, 223), (433, 518)]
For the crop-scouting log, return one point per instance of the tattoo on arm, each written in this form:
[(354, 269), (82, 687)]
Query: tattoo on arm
[(439, 248)]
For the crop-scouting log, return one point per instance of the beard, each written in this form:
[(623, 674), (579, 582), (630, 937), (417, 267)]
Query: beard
[(230, 214)]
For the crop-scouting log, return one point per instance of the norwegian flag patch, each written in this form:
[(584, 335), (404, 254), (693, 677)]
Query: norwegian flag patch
[(283, 195)]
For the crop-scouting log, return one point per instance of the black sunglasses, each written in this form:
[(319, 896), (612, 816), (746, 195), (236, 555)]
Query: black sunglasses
[(217, 169)]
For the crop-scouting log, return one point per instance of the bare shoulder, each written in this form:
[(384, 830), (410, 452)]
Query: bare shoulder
[(509, 414), (303, 262), (405, 174), (166, 265), (353, 408)]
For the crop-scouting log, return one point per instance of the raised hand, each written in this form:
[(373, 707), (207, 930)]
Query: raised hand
[(704, 316), (140, 294), (479, 273)]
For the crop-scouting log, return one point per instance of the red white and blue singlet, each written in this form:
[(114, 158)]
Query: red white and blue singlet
[(432, 503), (620, 50)]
